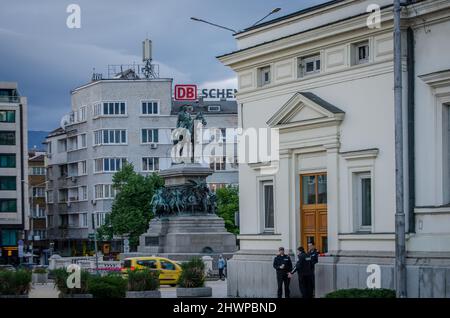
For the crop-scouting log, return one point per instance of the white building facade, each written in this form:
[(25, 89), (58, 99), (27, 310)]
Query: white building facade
[(324, 78)]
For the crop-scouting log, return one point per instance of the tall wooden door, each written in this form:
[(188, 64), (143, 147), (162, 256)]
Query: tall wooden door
[(313, 210)]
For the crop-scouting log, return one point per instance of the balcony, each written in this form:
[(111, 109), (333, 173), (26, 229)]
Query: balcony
[(9, 99)]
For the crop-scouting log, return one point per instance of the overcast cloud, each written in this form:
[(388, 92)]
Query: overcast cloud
[(47, 59)]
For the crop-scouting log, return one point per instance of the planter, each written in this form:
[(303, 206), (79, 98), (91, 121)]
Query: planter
[(14, 296), (39, 278), (61, 295), (194, 292), (144, 294)]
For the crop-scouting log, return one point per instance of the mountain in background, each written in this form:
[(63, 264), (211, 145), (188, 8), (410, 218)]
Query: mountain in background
[(35, 139)]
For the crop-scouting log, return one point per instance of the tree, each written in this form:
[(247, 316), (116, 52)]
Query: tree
[(131, 210), (227, 206)]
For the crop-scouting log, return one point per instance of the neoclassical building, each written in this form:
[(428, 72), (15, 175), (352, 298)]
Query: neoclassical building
[(324, 77)]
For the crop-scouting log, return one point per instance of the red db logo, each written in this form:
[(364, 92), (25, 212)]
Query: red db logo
[(185, 92)]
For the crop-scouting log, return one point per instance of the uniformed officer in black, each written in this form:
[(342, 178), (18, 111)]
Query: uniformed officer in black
[(314, 253), (305, 273), (283, 265)]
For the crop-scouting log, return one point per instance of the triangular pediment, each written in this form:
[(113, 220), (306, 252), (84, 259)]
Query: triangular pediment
[(305, 108)]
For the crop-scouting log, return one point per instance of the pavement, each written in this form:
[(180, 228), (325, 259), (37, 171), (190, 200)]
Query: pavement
[(219, 290)]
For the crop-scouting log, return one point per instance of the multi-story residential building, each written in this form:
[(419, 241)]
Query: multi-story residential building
[(37, 238), (113, 121), (221, 118), (13, 172), (324, 77)]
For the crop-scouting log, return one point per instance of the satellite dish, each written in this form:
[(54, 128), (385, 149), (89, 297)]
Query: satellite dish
[(65, 120)]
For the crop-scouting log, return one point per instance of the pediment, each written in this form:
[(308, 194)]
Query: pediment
[(305, 108)]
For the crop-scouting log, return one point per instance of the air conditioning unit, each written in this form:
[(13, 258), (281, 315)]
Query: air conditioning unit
[(94, 202), (154, 146)]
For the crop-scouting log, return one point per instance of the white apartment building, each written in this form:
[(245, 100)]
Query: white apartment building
[(13, 171), (325, 80)]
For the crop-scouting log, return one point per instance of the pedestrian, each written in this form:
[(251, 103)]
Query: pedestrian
[(314, 254), (283, 265), (305, 273), (221, 264)]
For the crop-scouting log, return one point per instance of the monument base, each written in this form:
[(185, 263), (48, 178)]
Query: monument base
[(193, 234)]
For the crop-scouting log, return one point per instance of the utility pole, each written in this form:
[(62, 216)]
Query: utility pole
[(400, 245)]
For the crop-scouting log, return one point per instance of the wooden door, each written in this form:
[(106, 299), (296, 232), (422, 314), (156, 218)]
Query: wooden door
[(313, 210)]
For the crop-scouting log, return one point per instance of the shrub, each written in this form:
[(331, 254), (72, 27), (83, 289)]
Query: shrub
[(40, 270), (109, 286), (15, 283), (362, 293), (60, 276), (193, 274), (143, 280)]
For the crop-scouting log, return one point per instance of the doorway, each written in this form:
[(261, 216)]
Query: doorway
[(313, 210)]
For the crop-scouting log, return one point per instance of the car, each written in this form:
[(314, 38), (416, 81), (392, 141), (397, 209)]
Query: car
[(7, 268), (169, 270)]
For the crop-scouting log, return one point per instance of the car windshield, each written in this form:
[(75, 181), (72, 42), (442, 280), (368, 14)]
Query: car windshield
[(127, 263)]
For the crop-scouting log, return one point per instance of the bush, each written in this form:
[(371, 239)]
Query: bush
[(60, 276), (109, 286), (15, 283), (362, 293), (143, 280), (40, 270), (193, 274)]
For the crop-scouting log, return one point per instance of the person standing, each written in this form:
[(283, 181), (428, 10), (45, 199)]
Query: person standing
[(305, 273), (314, 254), (221, 264), (283, 265)]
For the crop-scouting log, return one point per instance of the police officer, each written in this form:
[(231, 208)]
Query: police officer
[(305, 273), (314, 254), (283, 265)]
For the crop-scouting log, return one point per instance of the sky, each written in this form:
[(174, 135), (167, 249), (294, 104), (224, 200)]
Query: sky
[(48, 59)]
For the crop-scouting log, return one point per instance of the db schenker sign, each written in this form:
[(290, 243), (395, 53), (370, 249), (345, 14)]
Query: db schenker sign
[(190, 92)]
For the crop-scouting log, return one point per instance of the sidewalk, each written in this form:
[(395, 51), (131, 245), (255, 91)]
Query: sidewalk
[(219, 290)]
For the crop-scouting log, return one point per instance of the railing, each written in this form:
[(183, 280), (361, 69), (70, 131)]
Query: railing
[(9, 99)]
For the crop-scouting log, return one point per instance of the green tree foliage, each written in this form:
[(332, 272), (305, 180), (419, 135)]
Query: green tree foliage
[(131, 209), (362, 293), (227, 206)]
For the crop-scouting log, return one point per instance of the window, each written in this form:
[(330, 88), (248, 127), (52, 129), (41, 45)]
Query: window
[(82, 193), (114, 108), (73, 169), (49, 147), (110, 136), (363, 200), (84, 220), (150, 136), (309, 65), (7, 138), (82, 141), (167, 265), (7, 183), (63, 171), (217, 163), (82, 168), (8, 205), (100, 218), (38, 212), (62, 145), (150, 164), (37, 171), (446, 152), (50, 196), (214, 108), (150, 108), (7, 160), (38, 192), (72, 143), (7, 116), (108, 164), (147, 263), (360, 53), (63, 196), (264, 76), (268, 205), (104, 191), (97, 109), (82, 114)]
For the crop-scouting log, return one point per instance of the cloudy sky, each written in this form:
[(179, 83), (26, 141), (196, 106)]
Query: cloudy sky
[(48, 59)]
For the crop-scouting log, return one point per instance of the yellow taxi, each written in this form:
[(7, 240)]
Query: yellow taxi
[(169, 270)]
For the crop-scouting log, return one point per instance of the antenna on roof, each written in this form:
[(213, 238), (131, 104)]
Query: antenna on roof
[(147, 59)]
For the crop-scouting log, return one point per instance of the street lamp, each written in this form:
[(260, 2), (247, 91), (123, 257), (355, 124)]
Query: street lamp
[(267, 15)]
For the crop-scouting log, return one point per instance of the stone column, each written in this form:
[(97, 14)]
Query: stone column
[(285, 217), (333, 195)]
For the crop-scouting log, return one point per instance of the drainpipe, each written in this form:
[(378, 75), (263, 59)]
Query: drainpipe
[(400, 246), (411, 131)]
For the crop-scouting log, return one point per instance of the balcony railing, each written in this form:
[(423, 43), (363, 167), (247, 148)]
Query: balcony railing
[(9, 99)]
